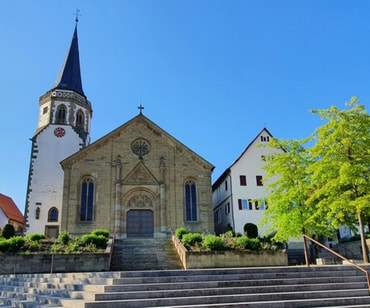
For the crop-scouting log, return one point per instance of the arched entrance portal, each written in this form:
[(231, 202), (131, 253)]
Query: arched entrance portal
[(140, 223)]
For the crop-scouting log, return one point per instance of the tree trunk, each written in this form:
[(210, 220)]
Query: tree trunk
[(363, 239), (306, 256)]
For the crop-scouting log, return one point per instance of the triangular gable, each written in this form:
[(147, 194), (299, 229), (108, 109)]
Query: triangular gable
[(227, 171), (156, 130), (140, 175)]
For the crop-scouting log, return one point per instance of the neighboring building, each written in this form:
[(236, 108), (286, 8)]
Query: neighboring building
[(10, 214), (137, 181), (63, 129), (235, 191)]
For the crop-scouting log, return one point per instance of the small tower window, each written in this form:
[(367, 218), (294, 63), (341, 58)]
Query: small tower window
[(80, 119), (53, 215), (61, 115)]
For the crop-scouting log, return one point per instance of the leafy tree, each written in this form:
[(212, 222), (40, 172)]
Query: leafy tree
[(341, 167), (250, 230)]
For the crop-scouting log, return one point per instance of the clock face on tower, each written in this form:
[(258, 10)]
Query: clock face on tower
[(59, 132)]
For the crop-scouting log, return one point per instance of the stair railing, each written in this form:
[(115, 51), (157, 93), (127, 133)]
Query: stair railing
[(341, 257)]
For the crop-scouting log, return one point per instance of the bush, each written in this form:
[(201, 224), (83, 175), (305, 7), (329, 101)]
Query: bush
[(35, 237), (251, 230), (8, 231), (4, 245), (16, 242), (102, 232), (214, 242), (245, 242), (180, 232), (191, 239), (64, 237), (99, 241), (228, 234)]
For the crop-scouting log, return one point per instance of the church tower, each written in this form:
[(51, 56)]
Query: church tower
[(63, 129)]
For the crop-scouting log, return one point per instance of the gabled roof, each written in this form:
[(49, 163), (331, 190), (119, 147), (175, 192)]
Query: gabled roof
[(69, 77), (139, 117), (10, 209), (227, 171)]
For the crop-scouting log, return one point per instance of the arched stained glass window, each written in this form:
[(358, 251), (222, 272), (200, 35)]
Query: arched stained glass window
[(191, 201), (61, 115), (53, 214), (87, 199)]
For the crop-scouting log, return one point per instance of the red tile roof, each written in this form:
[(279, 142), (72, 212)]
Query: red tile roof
[(10, 209)]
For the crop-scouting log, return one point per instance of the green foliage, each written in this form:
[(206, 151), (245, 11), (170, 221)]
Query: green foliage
[(16, 242), (64, 237), (192, 238), (180, 232), (8, 231), (251, 230), (102, 232), (4, 245), (245, 242), (228, 234), (99, 241), (213, 242), (35, 237)]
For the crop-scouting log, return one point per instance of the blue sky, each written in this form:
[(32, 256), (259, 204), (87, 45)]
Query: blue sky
[(211, 73)]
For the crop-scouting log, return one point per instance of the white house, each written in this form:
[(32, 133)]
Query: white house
[(235, 191)]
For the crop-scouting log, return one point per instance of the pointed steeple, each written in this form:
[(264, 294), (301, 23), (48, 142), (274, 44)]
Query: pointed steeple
[(69, 77)]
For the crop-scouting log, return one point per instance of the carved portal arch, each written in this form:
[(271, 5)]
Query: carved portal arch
[(140, 198)]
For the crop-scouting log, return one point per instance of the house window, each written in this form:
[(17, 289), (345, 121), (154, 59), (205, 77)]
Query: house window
[(61, 115), (53, 215), (244, 204), (45, 110), (259, 180), (225, 185), (243, 180), (227, 208), (190, 201), (265, 138), (87, 199), (80, 119)]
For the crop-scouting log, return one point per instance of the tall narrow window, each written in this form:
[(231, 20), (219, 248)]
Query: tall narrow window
[(80, 119), (61, 115), (243, 180), (190, 201), (87, 199), (53, 215)]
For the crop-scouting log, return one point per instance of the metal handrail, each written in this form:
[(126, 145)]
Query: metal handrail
[(342, 257)]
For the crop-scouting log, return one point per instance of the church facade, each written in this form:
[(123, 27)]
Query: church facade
[(137, 181)]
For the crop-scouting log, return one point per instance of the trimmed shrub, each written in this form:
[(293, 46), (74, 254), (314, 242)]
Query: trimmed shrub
[(191, 239), (214, 242), (99, 241), (102, 232), (64, 237), (248, 243), (180, 232), (35, 237), (4, 245), (251, 230), (8, 231), (16, 242)]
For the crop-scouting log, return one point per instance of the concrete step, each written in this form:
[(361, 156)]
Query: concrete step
[(144, 254), (298, 286)]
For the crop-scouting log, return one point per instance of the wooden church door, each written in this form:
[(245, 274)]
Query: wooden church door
[(140, 223)]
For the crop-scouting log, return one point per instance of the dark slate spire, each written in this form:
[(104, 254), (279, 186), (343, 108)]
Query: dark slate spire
[(69, 77)]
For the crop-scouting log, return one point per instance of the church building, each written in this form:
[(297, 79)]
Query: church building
[(137, 181)]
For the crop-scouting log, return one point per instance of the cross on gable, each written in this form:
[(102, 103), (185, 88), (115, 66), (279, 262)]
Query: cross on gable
[(141, 109)]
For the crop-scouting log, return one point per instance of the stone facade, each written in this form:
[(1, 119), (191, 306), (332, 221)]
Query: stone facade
[(139, 174)]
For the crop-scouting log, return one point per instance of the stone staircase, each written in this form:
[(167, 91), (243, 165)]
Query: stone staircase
[(144, 254), (291, 286)]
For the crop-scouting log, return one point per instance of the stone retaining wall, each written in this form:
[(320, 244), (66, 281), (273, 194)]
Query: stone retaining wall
[(58, 263), (228, 258)]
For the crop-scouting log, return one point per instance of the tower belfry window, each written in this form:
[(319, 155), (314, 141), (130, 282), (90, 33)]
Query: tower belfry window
[(80, 119), (61, 115)]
